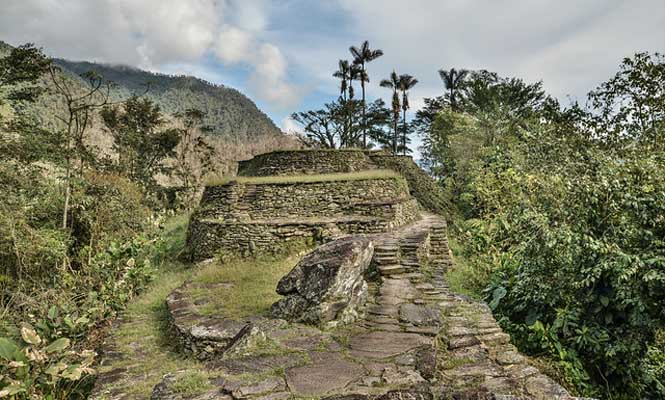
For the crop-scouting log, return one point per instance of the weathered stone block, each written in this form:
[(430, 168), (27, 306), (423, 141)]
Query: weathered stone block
[(327, 286)]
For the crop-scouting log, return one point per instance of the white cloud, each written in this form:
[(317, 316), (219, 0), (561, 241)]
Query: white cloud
[(269, 79), (250, 15), (234, 45), (290, 126), (269, 76), (154, 34), (571, 45)]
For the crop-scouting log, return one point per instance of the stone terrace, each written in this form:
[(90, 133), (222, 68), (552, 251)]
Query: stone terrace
[(255, 215)]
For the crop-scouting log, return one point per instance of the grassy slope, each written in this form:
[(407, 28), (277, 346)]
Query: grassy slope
[(253, 285)]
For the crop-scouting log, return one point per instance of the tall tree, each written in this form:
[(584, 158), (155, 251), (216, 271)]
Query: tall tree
[(194, 159), (318, 126), (631, 105), (140, 143), (19, 72), (393, 83), (453, 80), (426, 115), (343, 73), (26, 140), (361, 56), (77, 118), (406, 83)]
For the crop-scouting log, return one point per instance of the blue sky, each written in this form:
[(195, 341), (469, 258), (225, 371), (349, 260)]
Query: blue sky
[(282, 53)]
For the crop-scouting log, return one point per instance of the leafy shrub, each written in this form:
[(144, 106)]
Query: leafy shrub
[(561, 218), (36, 368), (574, 262)]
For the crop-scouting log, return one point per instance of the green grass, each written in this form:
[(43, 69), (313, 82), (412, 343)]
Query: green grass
[(463, 277), (253, 285), (286, 179), (191, 383)]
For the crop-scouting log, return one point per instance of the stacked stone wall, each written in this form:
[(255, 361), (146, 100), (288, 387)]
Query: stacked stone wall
[(244, 201), (309, 162), (208, 238)]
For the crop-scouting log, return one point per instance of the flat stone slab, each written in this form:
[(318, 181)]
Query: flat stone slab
[(328, 372), (377, 345), (419, 315), (398, 288), (257, 364)]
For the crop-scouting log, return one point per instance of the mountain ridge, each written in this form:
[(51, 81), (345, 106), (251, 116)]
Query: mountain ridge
[(229, 112)]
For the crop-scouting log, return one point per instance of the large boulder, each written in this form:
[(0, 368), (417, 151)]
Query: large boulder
[(327, 286)]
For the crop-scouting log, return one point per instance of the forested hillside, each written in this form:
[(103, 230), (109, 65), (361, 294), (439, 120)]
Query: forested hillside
[(227, 111)]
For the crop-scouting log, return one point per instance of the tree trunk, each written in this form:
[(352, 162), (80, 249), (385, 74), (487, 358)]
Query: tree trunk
[(396, 136), (404, 132), (362, 85)]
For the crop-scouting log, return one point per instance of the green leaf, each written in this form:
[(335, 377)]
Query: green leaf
[(30, 336), (57, 345), (55, 369), (8, 349), (11, 390), (73, 372), (53, 312), (498, 294)]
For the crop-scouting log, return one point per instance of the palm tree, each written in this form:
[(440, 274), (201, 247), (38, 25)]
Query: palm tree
[(394, 84), (406, 83), (453, 80), (344, 74), (361, 56)]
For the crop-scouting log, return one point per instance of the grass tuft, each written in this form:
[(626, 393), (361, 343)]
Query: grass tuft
[(287, 179), (464, 277), (241, 288)]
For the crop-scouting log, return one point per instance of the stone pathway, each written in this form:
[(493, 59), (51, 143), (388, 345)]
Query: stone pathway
[(416, 340)]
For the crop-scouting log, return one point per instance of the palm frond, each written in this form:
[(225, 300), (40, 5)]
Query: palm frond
[(386, 83)]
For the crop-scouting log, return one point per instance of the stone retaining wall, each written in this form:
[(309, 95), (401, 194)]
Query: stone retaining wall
[(297, 162), (237, 201), (208, 238)]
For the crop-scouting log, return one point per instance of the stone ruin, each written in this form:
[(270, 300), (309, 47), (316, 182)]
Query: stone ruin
[(365, 315)]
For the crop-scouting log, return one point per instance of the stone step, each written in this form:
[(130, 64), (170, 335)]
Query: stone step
[(385, 251), (385, 260), (393, 269)]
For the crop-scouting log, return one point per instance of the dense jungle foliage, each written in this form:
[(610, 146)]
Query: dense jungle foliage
[(84, 213), (559, 218)]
